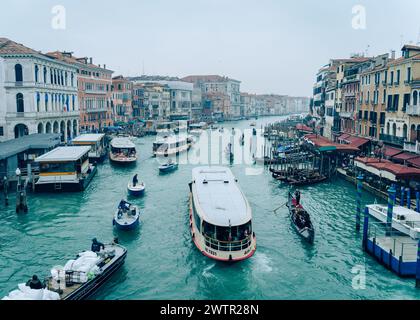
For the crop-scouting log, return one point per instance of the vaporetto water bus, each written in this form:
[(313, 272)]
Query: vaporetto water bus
[(220, 215), (65, 169), (96, 142), (123, 151), (172, 144)]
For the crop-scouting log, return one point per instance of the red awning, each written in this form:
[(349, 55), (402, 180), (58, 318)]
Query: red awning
[(390, 151), (357, 141), (344, 136), (415, 162), (302, 127), (405, 156)]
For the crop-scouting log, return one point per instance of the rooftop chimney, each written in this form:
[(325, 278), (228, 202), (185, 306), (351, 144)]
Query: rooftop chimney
[(90, 60), (104, 66), (392, 54)]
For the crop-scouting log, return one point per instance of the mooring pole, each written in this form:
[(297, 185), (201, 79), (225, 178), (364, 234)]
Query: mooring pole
[(408, 198), (418, 266), (5, 191), (365, 228), (359, 201), (391, 201)]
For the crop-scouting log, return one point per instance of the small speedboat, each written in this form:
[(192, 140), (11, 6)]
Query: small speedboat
[(168, 167), (137, 190), (301, 220), (127, 216), (253, 124)]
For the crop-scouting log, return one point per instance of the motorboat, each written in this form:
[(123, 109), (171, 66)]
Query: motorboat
[(127, 216)]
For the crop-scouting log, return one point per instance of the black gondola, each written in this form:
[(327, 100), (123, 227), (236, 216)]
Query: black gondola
[(301, 220)]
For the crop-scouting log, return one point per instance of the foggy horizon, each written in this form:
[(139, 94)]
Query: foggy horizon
[(272, 47)]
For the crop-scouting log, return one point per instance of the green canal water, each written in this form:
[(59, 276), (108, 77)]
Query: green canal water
[(162, 261)]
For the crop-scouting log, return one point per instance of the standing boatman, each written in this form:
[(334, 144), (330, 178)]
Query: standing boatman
[(297, 197), (135, 180)]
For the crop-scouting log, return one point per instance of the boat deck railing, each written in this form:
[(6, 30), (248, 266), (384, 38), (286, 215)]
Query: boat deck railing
[(401, 245), (228, 245)]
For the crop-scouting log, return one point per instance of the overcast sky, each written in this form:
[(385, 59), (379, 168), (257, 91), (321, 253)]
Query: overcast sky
[(271, 46)]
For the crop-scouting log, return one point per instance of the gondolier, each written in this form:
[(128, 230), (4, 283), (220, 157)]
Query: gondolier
[(300, 218)]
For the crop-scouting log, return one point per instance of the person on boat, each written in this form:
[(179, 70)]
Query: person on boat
[(35, 283), (297, 197), (135, 180), (96, 245), (124, 205)]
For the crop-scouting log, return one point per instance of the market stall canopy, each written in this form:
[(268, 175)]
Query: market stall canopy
[(405, 156), (415, 162), (323, 144), (304, 128), (387, 169)]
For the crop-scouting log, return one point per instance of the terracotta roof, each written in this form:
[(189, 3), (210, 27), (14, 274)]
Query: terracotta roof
[(8, 46), (73, 60)]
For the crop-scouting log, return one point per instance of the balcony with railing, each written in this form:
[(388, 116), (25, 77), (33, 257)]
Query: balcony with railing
[(387, 138), (41, 115)]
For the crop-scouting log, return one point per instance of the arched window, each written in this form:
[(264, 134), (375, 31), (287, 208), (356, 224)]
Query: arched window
[(387, 128), (405, 129), (394, 129), (20, 103), (67, 79), (72, 80), (36, 73), (18, 73), (415, 97), (51, 76), (38, 101), (46, 101), (45, 74)]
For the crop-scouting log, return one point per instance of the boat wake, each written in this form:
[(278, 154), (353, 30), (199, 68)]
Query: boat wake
[(262, 263)]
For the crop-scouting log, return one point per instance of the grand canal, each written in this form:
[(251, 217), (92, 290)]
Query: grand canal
[(163, 263)]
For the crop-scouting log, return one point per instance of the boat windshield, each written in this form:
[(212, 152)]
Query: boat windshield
[(124, 151), (227, 234)]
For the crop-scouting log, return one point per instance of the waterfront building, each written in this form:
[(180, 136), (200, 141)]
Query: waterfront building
[(151, 101), (180, 94), (94, 91), (401, 123), (196, 104), (215, 104), (372, 97), (122, 90), (38, 93), (210, 84)]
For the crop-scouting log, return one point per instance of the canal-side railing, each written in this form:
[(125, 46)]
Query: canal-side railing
[(227, 245)]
